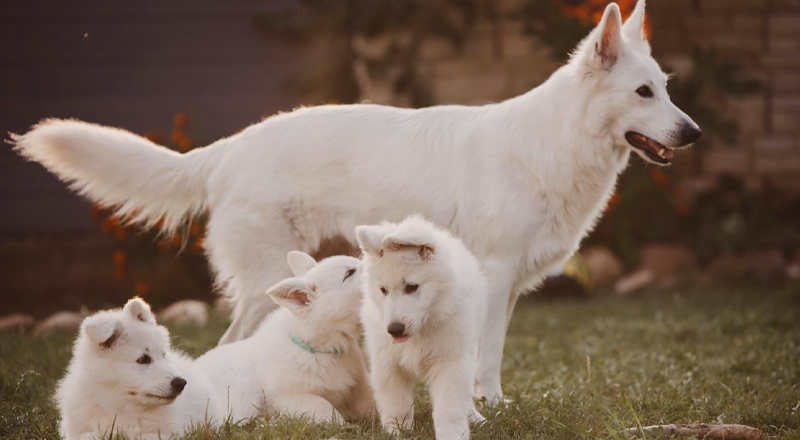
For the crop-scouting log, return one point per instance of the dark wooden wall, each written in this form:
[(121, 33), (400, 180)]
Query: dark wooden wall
[(133, 65)]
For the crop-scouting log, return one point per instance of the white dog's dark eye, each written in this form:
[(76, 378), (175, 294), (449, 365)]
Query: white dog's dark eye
[(644, 92), (384, 291), (144, 360), (411, 288), (348, 274)]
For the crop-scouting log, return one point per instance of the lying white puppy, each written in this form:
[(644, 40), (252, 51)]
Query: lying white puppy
[(305, 356), (303, 361), (424, 306), (125, 377)]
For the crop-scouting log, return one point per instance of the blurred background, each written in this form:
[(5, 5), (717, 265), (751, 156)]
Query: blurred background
[(184, 73)]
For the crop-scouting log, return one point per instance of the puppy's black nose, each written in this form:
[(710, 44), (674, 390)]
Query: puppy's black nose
[(689, 134), (396, 329), (178, 384)]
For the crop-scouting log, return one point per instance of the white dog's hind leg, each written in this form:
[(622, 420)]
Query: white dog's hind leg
[(493, 336), (394, 396), (451, 387), (312, 406), (248, 253)]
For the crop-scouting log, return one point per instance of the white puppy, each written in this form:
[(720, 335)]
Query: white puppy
[(303, 361), (424, 306), (124, 377), (305, 356)]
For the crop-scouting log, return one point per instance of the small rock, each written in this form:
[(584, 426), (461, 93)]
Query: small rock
[(17, 322), (766, 265), (604, 266), (185, 311), (668, 262), (64, 320), (224, 305), (635, 281)]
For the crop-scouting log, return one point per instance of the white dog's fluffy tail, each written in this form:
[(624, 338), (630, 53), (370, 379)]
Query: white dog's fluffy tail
[(112, 167)]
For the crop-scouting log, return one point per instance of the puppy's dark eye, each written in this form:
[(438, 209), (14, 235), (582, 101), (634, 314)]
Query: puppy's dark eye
[(411, 288), (348, 274), (384, 291), (144, 360), (644, 92)]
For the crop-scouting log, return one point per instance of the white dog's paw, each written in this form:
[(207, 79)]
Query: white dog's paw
[(475, 417)]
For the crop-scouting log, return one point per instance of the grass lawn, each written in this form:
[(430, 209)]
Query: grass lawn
[(573, 369)]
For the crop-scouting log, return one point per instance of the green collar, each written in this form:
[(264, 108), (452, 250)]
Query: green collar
[(302, 344)]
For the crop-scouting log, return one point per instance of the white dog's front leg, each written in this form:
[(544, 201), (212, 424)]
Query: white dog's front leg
[(451, 385), (312, 406), (394, 396), (361, 400), (493, 336)]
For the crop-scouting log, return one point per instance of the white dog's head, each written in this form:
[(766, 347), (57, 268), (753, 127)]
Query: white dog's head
[(324, 295), (406, 273), (129, 355), (628, 90)]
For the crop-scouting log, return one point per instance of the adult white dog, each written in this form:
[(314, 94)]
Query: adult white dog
[(520, 182), (424, 307)]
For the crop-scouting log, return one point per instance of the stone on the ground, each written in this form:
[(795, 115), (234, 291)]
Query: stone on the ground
[(18, 322), (185, 311), (669, 264), (66, 321), (224, 305), (765, 265), (604, 266), (633, 282)]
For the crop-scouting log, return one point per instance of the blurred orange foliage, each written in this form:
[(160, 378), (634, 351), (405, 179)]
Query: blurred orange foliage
[(591, 11)]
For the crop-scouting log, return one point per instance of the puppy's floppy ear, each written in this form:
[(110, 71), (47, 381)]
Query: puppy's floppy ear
[(103, 329), (140, 310), (634, 28), (370, 237), (417, 243), (300, 262), (293, 293), (605, 42)]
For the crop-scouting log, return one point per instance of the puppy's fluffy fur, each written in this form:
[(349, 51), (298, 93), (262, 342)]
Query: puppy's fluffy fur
[(318, 307), (122, 371), (121, 377), (521, 181), (424, 306)]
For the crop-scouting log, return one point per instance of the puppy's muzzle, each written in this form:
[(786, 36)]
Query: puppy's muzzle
[(396, 329)]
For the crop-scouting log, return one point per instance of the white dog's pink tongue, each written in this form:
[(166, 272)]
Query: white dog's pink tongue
[(399, 340)]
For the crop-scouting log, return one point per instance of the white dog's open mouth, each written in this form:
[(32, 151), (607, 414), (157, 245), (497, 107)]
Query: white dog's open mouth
[(653, 150), (399, 339)]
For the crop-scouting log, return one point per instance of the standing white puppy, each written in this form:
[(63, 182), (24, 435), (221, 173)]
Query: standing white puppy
[(304, 359), (425, 303)]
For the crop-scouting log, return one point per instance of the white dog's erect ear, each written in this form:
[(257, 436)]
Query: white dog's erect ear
[(404, 240), (370, 238), (140, 310), (103, 329), (606, 42), (293, 293), (300, 262), (634, 28)]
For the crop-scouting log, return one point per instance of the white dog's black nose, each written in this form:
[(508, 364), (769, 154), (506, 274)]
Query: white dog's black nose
[(396, 329), (178, 384), (689, 134)]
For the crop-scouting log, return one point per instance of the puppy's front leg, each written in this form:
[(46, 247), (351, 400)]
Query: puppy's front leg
[(451, 386), (394, 396), (309, 405), (361, 399)]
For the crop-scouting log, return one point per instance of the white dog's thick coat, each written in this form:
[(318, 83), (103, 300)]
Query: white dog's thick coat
[(520, 182), (106, 388), (441, 316), (318, 309), (267, 373)]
